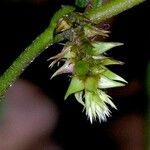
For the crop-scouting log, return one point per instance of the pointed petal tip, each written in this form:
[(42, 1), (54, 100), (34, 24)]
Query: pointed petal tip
[(113, 45), (52, 77), (118, 43)]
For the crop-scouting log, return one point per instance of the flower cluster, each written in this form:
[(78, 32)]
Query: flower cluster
[(86, 60)]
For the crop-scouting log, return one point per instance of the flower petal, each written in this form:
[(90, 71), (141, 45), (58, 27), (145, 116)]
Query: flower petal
[(105, 83), (66, 68), (110, 61), (106, 98), (109, 74), (101, 47), (79, 97)]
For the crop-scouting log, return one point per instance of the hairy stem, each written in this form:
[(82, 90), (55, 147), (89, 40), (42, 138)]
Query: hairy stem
[(114, 7), (43, 41)]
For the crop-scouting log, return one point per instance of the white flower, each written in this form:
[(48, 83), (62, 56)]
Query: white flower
[(96, 105)]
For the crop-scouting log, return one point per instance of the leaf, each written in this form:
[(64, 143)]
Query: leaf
[(75, 86), (81, 3), (97, 3), (102, 47)]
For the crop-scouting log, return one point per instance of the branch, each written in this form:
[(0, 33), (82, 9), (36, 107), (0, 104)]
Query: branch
[(110, 9)]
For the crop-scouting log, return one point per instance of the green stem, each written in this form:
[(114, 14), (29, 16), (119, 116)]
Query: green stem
[(114, 7), (43, 41)]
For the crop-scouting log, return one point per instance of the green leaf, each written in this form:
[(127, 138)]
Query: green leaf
[(81, 3), (102, 47), (97, 3), (75, 86)]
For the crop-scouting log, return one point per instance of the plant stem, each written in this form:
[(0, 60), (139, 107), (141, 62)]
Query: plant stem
[(114, 7), (42, 42)]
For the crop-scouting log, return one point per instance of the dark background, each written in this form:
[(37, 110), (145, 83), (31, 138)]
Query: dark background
[(21, 22)]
